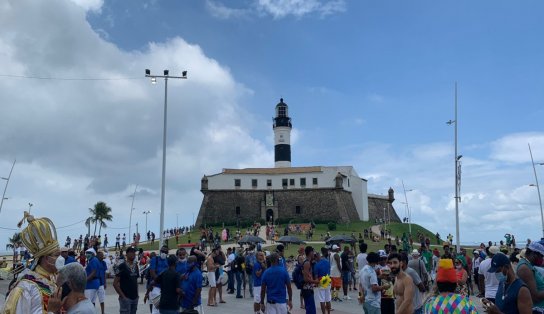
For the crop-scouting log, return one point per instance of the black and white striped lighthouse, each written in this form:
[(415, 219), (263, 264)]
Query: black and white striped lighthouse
[(282, 136)]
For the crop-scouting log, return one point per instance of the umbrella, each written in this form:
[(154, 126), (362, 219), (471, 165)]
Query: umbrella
[(340, 239), (290, 239), (250, 239)]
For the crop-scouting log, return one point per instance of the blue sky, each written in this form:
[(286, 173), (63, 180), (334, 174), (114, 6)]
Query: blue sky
[(368, 84)]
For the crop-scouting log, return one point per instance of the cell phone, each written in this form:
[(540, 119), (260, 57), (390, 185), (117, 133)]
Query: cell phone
[(486, 303)]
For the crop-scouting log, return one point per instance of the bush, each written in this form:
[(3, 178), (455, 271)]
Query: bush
[(331, 226)]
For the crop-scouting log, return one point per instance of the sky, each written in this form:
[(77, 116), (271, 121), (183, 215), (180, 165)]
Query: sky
[(368, 83)]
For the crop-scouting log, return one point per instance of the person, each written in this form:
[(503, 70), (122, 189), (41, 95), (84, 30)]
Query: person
[(307, 290), (102, 277), (418, 265), (475, 266), (238, 263), (417, 284), (93, 272), (361, 257), (125, 283), (211, 266), (301, 257), (231, 256), (61, 260), (385, 278), (192, 286), (158, 265), (336, 268), (74, 276), (322, 268), (219, 260), (250, 260), (513, 296), (82, 259), (170, 282), (275, 281), (258, 269), (4, 263), (447, 301), (462, 276), (118, 242), (368, 283), (404, 286), (488, 283), (345, 271), (31, 289), (527, 272)]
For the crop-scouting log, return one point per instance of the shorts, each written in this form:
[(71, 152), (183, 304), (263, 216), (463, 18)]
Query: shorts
[(324, 294), (346, 276), (336, 282), (101, 294), (257, 294), (277, 308), (91, 294), (211, 279)]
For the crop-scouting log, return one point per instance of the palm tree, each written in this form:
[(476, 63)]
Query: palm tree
[(99, 214), (88, 222), (13, 241)]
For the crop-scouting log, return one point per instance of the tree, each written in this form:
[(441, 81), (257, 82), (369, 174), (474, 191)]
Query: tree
[(13, 241), (100, 213), (88, 222)]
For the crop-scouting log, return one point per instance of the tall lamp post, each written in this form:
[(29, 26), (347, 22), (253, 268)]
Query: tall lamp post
[(6, 186), (537, 189), (166, 76), (131, 210), (147, 212), (408, 211), (457, 177)]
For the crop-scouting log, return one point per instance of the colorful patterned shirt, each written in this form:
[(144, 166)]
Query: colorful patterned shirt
[(450, 303)]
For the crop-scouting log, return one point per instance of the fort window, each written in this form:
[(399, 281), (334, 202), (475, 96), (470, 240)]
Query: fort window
[(284, 183), (314, 181), (348, 182), (254, 183), (297, 210), (237, 210), (292, 182), (237, 183), (268, 183), (302, 181)]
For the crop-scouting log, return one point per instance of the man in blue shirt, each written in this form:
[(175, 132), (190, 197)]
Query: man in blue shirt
[(70, 257), (192, 286), (258, 268), (158, 265), (93, 275), (102, 277), (323, 268), (275, 281)]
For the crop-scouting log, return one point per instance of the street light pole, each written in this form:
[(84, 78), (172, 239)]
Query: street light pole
[(166, 76), (146, 213), (407, 208), (30, 207), (131, 210), (537, 189), (457, 158), (6, 186)]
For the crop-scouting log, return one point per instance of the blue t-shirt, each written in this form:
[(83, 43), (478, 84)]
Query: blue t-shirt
[(322, 268), (69, 259), (181, 268), (93, 265), (102, 276), (276, 278), (257, 280), (189, 286), (159, 265)]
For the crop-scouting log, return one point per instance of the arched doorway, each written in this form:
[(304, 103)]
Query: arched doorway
[(269, 215)]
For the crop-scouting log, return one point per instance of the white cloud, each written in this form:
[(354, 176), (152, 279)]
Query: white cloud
[(89, 5), (513, 147), (219, 10), (79, 141)]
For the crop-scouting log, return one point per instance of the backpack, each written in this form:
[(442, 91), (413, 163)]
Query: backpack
[(298, 277)]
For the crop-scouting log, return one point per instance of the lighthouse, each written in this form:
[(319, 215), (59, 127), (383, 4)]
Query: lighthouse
[(282, 136)]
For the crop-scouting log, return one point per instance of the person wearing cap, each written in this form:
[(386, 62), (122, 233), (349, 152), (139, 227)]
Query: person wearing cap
[(368, 282), (61, 260), (336, 268), (462, 275), (488, 283), (527, 271), (476, 260), (93, 273), (125, 283), (447, 301), (513, 296), (419, 267), (385, 278), (35, 290)]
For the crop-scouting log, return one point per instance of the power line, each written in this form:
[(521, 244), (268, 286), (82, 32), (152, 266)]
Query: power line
[(75, 223), (70, 78)]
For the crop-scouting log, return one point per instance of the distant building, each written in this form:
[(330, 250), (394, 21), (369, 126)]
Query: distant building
[(286, 193)]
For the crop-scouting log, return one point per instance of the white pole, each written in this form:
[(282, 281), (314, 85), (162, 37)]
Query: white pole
[(457, 240), (538, 190), (6, 186), (163, 161), (131, 210), (407, 209)]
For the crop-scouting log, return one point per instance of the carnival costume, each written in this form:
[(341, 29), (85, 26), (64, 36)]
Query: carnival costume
[(34, 286)]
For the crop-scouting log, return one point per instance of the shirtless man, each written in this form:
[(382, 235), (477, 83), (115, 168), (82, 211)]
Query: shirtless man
[(211, 266), (403, 288)]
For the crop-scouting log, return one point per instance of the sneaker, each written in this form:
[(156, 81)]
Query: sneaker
[(239, 297), (347, 297)]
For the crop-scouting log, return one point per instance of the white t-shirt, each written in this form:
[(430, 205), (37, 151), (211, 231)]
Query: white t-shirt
[(335, 270), (491, 282), (361, 261)]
